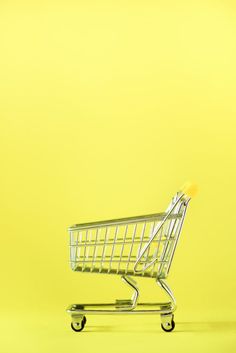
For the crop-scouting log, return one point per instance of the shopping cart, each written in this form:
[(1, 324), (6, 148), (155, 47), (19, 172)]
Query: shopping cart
[(135, 246)]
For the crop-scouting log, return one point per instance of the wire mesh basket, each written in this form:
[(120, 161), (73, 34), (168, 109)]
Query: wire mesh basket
[(135, 246)]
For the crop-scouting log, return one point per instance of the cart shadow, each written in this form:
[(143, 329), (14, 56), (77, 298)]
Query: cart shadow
[(101, 328), (181, 327), (206, 326)]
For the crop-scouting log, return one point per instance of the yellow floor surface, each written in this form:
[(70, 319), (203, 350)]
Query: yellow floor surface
[(43, 333)]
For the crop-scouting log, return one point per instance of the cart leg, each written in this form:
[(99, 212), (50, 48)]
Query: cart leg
[(128, 304), (167, 319), (168, 291)]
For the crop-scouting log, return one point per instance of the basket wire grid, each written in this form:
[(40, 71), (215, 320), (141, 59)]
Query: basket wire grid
[(135, 246)]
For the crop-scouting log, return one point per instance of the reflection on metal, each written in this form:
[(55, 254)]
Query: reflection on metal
[(135, 246)]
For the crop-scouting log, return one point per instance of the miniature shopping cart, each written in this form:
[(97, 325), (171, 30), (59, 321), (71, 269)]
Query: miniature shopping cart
[(135, 246)]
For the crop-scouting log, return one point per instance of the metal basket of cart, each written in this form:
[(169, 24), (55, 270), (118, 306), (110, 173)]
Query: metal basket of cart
[(141, 246)]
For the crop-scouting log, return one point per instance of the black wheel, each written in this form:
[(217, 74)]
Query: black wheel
[(84, 320), (168, 326), (77, 327)]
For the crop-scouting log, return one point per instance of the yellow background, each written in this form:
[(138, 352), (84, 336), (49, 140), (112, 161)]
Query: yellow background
[(107, 107)]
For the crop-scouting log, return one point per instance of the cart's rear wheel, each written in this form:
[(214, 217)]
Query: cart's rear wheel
[(168, 326), (78, 326)]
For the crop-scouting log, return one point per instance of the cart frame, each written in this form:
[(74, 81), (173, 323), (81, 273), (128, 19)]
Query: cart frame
[(162, 241)]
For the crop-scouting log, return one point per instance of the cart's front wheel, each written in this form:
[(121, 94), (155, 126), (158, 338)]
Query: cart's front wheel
[(78, 326), (168, 326)]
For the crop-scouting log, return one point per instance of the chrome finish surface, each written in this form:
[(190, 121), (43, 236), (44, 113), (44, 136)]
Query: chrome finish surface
[(127, 306), (135, 246)]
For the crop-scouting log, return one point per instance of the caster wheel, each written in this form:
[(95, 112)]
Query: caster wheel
[(84, 320), (78, 326), (168, 326)]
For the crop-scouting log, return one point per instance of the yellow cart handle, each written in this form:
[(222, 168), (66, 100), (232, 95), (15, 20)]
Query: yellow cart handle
[(189, 189)]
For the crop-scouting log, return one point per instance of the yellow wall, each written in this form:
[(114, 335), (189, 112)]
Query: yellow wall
[(107, 107)]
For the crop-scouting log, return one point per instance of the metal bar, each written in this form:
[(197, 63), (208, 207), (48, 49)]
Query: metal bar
[(166, 246), (131, 283), (113, 271), (107, 260), (120, 221), (84, 256), (154, 308), (142, 238), (78, 248), (168, 291), (171, 223), (114, 257), (155, 254), (104, 247), (113, 247), (84, 305), (123, 312), (122, 248), (95, 249), (147, 254), (131, 247), (178, 235), (156, 230), (88, 248), (73, 254), (175, 220), (119, 241)]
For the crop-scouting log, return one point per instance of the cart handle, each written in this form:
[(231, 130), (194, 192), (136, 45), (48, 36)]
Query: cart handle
[(188, 190), (155, 232)]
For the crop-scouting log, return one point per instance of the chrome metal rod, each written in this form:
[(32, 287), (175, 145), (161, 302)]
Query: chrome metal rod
[(168, 291), (155, 232), (119, 221)]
